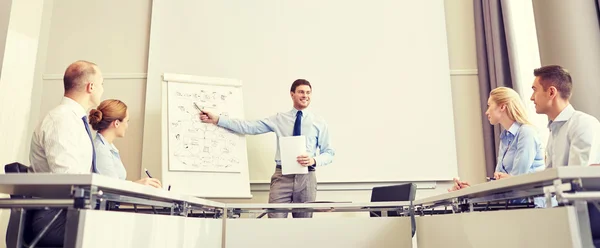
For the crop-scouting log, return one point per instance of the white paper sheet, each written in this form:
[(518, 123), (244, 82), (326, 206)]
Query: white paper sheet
[(290, 148)]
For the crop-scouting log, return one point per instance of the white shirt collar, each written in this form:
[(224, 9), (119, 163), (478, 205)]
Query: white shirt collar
[(564, 115), (73, 105), (304, 112)]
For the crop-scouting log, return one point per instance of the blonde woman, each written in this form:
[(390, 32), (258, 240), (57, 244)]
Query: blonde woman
[(520, 150)]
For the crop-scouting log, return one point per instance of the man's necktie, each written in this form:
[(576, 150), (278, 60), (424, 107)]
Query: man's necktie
[(87, 128), (298, 124)]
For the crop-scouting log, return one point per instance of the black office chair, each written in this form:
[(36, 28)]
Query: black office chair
[(19, 233), (401, 192)]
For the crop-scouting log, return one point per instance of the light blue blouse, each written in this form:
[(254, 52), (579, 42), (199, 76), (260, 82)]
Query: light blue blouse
[(108, 161), (520, 150)]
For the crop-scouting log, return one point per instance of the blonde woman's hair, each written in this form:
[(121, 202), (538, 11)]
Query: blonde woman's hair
[(514, 106)]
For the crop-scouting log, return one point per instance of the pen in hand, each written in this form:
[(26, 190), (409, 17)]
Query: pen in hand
[(148, 173), (197, 107)]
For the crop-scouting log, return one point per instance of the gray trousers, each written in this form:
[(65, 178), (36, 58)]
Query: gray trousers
[(292, 189)]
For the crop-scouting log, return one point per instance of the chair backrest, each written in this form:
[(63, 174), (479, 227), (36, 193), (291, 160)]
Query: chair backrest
[(15, 215), (401, 192), (16, 167)]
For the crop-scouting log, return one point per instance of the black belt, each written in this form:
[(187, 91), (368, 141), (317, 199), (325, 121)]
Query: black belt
[(310, 168)]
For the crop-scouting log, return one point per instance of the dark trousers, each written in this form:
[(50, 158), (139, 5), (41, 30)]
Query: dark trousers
[(55, 234), (594, 216)]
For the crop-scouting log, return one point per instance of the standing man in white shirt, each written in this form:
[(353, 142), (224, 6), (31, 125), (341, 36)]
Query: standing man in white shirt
[(62, 142), (574, 136)]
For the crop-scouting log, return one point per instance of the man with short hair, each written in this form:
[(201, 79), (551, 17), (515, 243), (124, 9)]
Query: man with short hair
[(574, 136), (297, 188), (62, 142)]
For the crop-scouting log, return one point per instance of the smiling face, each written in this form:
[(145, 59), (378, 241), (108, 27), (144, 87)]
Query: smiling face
[(301, 96)]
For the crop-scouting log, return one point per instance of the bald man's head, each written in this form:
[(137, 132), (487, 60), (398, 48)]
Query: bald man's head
[(78, 74)]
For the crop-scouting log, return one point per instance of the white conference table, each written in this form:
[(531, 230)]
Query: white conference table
[(88, 227), (561, 226), (522, 184), (173, 226), (353, 232)]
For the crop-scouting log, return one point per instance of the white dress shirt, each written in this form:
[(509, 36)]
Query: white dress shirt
[(60, 143), (574, 139)]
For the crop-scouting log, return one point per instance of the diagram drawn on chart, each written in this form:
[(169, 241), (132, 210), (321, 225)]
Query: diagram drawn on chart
[(198, 146)]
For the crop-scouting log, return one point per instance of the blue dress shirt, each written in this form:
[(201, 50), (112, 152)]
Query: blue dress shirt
[(108, 161), (520, 150), (318, 144)]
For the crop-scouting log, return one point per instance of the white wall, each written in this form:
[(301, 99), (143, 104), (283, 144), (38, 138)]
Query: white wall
[(22, 30), (16, 78), (117, 39), (380, 81), (119, 44), (460, 26), (121, 48), (40, 67), (524, 56), (5, 7), (4, 18)]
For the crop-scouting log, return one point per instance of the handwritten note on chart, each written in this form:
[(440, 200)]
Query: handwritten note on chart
[(198, 146)]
